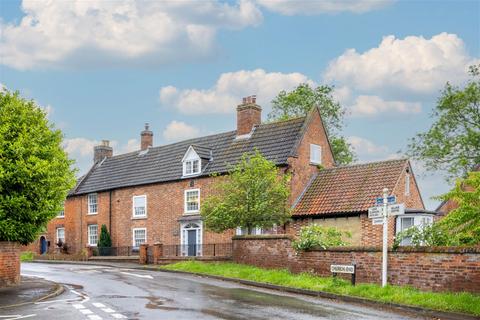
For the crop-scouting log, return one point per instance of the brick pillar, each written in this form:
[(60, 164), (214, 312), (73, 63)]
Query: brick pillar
[(143, 253), (9, 263), (157, 252)]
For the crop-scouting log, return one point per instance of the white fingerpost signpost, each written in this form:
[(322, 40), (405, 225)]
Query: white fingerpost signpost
[(385, 237), (385, 207)]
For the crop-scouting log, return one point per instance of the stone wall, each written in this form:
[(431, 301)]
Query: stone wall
[(435, 269), (9, 263)]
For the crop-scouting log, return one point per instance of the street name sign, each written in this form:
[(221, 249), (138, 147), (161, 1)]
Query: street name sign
[(339, 268), (390, 200), (396, 209), (375, 212), (377, 221)]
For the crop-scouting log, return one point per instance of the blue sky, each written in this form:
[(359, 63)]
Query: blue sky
[(104, 68)]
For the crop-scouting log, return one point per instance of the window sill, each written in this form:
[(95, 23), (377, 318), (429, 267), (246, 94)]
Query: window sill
[(191, 213), (92, 213), (315, 163), (191, 175), (139, 218), (62, 217), (92, 245)]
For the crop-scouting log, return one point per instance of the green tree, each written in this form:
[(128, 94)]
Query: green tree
[(461, 226), (463, 223), (35, 172), (254, 194), (104, 241), (453, 141), (299, 102)]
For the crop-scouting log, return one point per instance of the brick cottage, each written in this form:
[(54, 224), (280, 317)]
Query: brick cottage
[(154, 195)]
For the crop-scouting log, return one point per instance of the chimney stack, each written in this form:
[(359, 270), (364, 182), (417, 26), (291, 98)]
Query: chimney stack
[(249, 114), (146, 138), (102, 151)]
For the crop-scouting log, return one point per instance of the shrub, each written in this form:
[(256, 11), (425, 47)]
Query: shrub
[(318, 236), (104, 242), (431, 235)]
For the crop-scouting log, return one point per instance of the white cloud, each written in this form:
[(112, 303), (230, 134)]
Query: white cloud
[(79, 146), (373, 105), (366, 148), (131, 145), (230, 87), (309, 7), (56, 33), (178, 130), (414, 64), (81, 150)]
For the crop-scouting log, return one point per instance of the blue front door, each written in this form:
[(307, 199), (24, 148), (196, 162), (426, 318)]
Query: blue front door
[(192, 243), (43, 245)]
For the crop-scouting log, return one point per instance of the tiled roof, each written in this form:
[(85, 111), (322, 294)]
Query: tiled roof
[(348, 189), (160, 164)]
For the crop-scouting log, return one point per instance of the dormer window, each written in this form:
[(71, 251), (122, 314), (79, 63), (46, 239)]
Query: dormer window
[(192, 163), (191, 167)]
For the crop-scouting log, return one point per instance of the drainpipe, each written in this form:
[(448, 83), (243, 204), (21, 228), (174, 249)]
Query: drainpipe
[(81, 223), (110, 213)]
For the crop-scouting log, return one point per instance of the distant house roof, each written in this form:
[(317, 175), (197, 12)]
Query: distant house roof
[(348, 189), (276, 141)]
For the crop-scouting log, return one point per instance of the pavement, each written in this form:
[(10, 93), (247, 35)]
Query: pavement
[(30, 290), (95, 292)]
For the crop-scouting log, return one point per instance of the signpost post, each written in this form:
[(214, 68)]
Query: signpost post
[(385, 207), (385, 237)]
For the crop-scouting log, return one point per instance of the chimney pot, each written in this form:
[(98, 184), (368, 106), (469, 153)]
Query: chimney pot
[(146, 138), (103, 150), (249, 114)]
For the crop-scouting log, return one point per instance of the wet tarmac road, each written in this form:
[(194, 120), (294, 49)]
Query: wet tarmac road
[(95, 293)]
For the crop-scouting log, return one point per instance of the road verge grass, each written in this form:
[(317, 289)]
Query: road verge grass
[(462, 302), (26, 256)]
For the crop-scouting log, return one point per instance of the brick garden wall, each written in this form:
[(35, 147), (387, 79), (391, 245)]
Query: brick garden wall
[(436, 269), (9, 263)]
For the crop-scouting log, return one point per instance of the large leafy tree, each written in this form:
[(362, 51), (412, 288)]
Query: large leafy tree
[(463, 223), (452, 143), (299, 102), (35, 172), (252, 195)]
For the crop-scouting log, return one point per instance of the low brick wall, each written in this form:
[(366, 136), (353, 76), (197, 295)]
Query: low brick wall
[(436, 269), (9, 263)]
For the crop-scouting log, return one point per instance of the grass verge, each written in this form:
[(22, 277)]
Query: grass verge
[(462, 302), (26, 256)]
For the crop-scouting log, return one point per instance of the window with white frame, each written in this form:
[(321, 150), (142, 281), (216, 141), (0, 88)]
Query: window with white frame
[(191, 167), (139, 236), (92, 203), (92, 234), (61, 235), (315, 154), (192, 200), (139, 206), (407, 184)]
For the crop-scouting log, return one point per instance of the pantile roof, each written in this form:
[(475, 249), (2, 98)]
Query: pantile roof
[(348, 189)]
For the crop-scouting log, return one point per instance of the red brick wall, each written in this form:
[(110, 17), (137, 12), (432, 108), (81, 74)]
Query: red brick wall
[(436, 269), (300, 167), (165, 205), (413, 200), (9, 263)]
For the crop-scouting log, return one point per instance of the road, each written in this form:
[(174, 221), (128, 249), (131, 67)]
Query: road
[(96, 292)]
